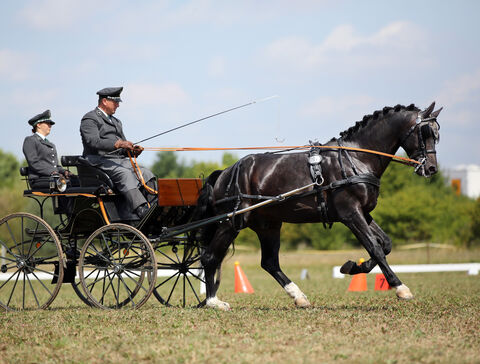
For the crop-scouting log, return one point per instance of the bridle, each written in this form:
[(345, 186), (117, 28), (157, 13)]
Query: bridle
[(425, 130)]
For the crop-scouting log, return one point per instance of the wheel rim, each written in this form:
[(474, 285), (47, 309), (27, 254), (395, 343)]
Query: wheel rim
[(116, 267), (31, 263), (180, 278)]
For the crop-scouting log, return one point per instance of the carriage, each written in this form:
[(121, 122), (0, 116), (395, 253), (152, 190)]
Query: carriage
[(110, 262)]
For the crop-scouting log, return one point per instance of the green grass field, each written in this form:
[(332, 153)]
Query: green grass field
[(441, 325)]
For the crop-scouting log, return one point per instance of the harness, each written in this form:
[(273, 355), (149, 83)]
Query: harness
[(314, 161), (320, 190)]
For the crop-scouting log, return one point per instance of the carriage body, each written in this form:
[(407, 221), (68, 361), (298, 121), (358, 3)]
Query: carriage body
[(110, 260)]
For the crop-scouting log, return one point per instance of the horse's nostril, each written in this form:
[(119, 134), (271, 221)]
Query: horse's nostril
[(432, 169)]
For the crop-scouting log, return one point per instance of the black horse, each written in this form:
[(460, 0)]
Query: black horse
[(346, 191)]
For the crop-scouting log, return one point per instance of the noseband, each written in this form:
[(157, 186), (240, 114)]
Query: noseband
[(424, 128)]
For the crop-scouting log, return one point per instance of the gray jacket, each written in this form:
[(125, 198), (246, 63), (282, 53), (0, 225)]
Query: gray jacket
[(99, 134), (41, 157)]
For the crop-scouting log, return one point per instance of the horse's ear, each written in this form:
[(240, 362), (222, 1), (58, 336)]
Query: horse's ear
[(425, 113), (436, 113)]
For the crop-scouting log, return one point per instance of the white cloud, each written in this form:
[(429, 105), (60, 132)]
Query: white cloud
[(346, 46), (14, 65), (144, 94)]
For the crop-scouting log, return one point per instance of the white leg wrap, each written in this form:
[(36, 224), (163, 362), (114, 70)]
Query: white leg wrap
[(299, 297), (215, 303), (403, 292)]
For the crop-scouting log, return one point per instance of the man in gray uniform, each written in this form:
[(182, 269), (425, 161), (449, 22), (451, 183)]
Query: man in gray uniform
[(105, 146), (40, 153)]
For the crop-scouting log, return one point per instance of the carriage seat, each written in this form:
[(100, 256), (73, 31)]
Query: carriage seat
[(44, 182), (89, 176)]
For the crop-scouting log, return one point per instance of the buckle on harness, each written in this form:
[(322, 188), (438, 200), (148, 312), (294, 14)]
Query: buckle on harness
[(422, 161), (314, 159)]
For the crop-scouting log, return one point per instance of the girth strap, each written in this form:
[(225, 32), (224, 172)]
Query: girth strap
[(360, 178)]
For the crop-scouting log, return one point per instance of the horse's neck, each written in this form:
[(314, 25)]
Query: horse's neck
[(382, 136)]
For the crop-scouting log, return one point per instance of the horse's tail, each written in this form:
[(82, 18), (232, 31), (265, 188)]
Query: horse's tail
[(205, 206)]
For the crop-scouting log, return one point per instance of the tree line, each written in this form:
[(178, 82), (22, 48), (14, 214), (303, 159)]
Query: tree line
[(410, 208)]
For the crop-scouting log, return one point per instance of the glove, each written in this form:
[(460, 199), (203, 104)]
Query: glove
[(125, 144), (137, 150)]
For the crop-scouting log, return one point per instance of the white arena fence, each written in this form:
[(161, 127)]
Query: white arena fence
[(470, 268)]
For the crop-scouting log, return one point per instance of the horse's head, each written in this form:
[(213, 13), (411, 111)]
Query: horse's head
[(420, 140)]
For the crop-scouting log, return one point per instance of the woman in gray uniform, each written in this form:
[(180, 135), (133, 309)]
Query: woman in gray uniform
[(40, 153)]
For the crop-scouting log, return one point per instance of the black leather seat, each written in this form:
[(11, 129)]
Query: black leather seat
[(89, 176)]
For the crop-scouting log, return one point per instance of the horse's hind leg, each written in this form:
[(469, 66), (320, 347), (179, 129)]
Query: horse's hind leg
[(269, 235), (212, 260), (368, 238)]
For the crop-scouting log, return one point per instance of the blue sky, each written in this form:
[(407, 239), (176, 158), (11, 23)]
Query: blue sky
[(330, 62)]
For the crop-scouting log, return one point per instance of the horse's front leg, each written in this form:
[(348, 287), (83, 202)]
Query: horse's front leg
[(368, 237), (211, 261), (383, 239), (269, 236)]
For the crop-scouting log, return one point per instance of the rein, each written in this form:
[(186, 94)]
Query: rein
[(403, 160)]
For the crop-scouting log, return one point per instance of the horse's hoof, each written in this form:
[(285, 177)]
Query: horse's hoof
[(347, 267), (403, 292), (302, 302), (216, 304)]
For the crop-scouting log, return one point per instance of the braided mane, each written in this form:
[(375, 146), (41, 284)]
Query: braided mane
[(377, 115)]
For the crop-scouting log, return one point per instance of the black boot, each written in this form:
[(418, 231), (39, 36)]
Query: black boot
[(141, 210)]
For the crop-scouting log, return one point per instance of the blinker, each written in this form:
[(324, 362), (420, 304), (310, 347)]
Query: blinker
[(428, 130)]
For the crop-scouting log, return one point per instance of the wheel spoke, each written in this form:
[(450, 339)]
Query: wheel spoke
[(33, 238), (166, 256), (42, 283), (183, 300), (133, 280), (23, 238), (14, 286), (166, 280), (7, 249), (39, 247), (33, 291), (173, 289), (129, 292), (13, 237), (193, 289), (96, 280)]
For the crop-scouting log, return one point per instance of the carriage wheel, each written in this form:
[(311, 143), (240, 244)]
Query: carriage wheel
[(31, 263), (116, 267), (180, 278)]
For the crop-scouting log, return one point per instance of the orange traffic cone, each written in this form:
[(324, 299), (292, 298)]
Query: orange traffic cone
[(242, 285), (359, 281), (381, 283)]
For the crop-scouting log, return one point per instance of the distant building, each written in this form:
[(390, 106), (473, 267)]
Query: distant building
[(465, 179)]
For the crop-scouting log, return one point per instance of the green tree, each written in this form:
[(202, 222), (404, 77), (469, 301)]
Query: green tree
[(166, 165), (412, 208), (9, 167)]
